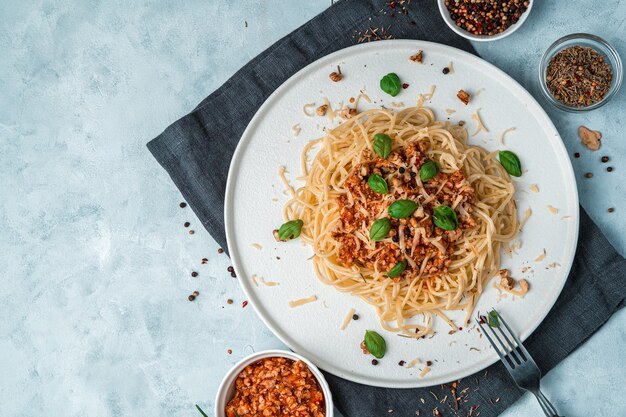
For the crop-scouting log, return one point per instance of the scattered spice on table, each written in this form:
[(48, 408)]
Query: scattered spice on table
[(578, 76), (445, 70), (191, 232), (183, 205), (193, 296), (220, 250), (610, 209), (205, 261), (374, 362), (588, 175), (576, 155), (405, 86), (232, 274), (374, 34), (605, 159), (487, 17), (401, 363), (590, 138), (229, 351), (194, 274), (229, 301), (609, 169), (336, 76), (429, 363), (355, 317), (187, 224)]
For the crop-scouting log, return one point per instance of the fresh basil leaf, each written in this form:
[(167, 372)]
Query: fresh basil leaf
[(445, 218), (428, 170), (290, 230), (397, 270), (203, 413), (380, 229), (378, 184), (492, 319), (402, 209), (511, 163), (375, 343), (382, 145), (391, 84)]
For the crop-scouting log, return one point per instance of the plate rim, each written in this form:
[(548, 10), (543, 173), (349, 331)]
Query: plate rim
[(540, 115)]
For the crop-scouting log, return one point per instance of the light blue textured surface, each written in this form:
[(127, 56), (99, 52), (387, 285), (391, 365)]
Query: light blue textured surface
[(95, 262)]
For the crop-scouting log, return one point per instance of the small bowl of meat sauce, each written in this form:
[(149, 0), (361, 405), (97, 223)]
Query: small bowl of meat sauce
[(274, 383), (485, 20), (580, 72)]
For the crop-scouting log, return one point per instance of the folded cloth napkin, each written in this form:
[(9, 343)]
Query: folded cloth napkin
[(196, 151)]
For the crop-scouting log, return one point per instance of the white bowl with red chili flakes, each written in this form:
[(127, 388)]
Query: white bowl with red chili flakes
[(469, 19), (274, 383)]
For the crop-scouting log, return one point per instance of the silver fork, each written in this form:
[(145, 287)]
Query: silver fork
[(517, 360)]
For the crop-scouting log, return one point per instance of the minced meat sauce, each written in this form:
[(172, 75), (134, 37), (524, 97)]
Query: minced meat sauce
[(409, 237)]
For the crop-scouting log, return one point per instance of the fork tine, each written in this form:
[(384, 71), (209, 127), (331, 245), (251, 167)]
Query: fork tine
[(495, 347), (520, 346), (511, 351)]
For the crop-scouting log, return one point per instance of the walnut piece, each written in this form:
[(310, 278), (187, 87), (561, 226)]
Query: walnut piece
[(463, 96), (590, 138), (336, 76), (364, 348), (418, 57), (321, 110)]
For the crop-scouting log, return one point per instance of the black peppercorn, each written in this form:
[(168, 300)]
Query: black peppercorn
[(446, 70), (395, 238), (230, 269), (576, 155), (401, 363), (609, 169), (355, 317), (187, 224), (413, 174), (194, 274), (374, 362), (183, 205), (232, 274), (605, 159), (402, 170)]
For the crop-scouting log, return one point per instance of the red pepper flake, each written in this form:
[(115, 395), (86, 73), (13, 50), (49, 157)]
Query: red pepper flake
[(392, 4), (220, 250), (405, 86), (244, 304)]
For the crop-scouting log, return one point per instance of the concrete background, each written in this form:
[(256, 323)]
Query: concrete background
[(95, 262)]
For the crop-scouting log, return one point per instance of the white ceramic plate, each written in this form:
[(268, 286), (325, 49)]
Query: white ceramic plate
[(255, 199)]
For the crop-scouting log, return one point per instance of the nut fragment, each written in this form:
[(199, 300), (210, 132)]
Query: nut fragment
[(463, 96), (321, 110), (418, 57), (364, 348), (590, 138), (523, 284)]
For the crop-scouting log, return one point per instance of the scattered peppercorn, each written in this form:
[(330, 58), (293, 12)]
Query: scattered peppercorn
[(588, 175), (229, 351), (232, 274), (461, 123), (220, 250), (609, 169), (413, 174), (576, 155), (205, 261), (191, 297), (487, 17), (187, 224), (405, 86), (230, 269), (183, 205), (402, 170), (229, 301), (429, 363), (191, 232), (611, 210), (374, 362), (605, 159), (194, 274), (355, 317), (401, 363), (446, 70)]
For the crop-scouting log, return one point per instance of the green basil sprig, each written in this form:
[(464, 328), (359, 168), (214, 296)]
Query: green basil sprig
[(378, 184), (202, 412), (391, 84), (382, 145), (380, 229), (511, 163), (492, 319), (445, 218), (375, 343), (290, 230), (428, 170), (402, 209), (397, 270)]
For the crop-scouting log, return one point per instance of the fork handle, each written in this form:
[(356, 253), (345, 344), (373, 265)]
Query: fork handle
[(546, 405)]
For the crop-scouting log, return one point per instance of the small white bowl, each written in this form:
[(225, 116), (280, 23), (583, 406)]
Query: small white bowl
[(226, 390), (482, 38)]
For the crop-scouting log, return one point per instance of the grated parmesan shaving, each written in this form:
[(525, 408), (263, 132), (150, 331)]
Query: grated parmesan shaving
[(306, 107), (268, 283), (480, 90), (424, 372), (534, 188), (347, 319), (481, 126), (431, 93), (450, 111), (542, 256), (565, 217), (413, 363), (420, 101), (554, 265), (295, 129), (527, 214), (302, 301), (451, 68), (281, 175), (257, 246), (397, 105), (552, 209), (510, 129), (254, 280)]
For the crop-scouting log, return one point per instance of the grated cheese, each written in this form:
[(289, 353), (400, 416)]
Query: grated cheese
[(534, 188), (450, 111), (527, 214), (302, 301), (510, 129), (424, 372), (542, 256), (257, 246), (451, 68), (295, 129), (552, 209), (481, 126), (413, 363), (306, 107)]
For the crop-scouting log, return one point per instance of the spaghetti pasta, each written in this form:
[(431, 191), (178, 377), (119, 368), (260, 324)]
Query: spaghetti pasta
[(445, 270)]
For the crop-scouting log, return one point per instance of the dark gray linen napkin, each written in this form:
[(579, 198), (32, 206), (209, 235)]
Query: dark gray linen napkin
[(197, 149)]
